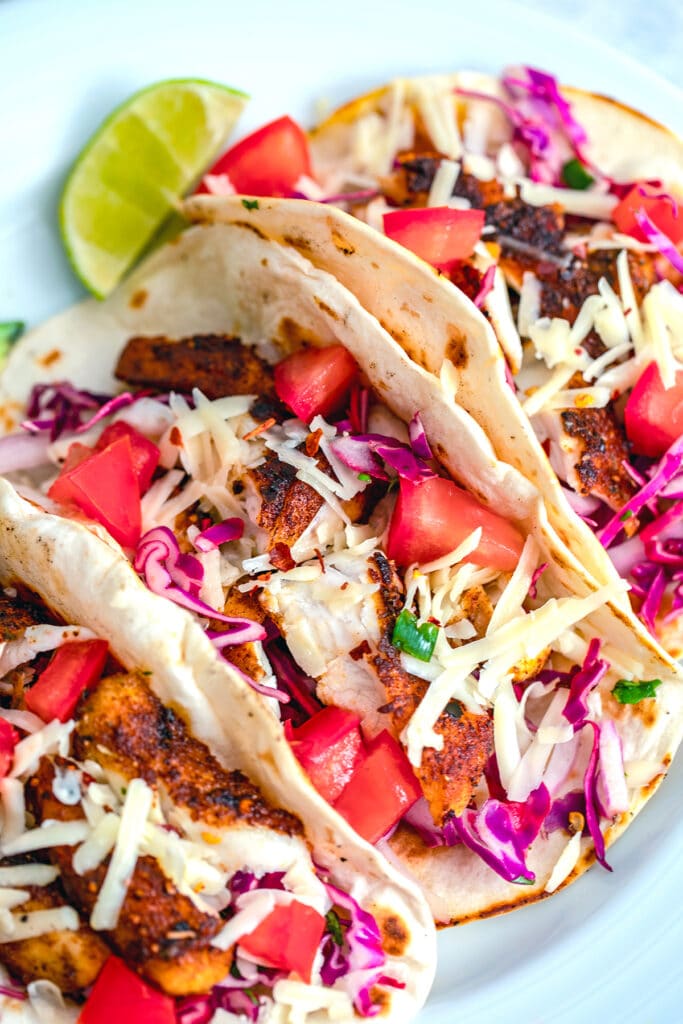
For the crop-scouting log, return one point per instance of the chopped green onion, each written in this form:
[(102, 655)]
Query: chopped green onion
[(575, 175), (10, 330), (630, 691), (334, 927), (522, 880), (364, 478), (252, 204), (628, 514), (419, 641)]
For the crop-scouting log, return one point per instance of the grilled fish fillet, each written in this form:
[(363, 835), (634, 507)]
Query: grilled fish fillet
[(71, 960), (214, 363)]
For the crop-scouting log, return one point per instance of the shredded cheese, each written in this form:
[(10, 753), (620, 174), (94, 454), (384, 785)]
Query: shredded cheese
[(39, 922), (565, 863), (441, 191), (523, 637), (136, 808)]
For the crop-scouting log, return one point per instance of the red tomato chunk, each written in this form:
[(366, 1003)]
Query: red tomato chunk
[(105, 487), (381, 790), (662, 211), (74, 667), (9, 737), (269, 162), (119, 996), (329, 748), (438, 234), (653, 416), (287, 939), (316, 381), (434, 516)]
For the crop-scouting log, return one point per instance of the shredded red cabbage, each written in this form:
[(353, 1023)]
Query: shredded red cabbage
[(590, 789), (525, 130), (486, 286), (583, 681), (13, 993), (542, 91), (58, 407), (301, 703), (358, 453), (558, 815), (501, 833), (178, 577), (668, 467), (657, 238), (359, 405), (219, 533), (418, 438), (365, 957), (538, 572), (612, 792)]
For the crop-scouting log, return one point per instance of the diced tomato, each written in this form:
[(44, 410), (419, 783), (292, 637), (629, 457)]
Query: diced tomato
[(75, 455), (145, 453), (287, 939), (105, 487), (653, 416), (434, 516), (381, 789), (73, 668), (316, 381), (9, 737), (438, 234), (121, 995), (269, 162), (662, 212), (329, 748)]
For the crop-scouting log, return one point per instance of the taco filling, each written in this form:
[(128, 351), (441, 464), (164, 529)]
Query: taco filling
[(133, 862), (435, 680), (557, 213)]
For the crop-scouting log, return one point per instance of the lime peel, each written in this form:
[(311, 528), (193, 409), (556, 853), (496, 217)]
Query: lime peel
[(131, 174)]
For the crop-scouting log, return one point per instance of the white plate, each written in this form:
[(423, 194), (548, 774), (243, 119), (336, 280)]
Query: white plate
[(609, 947)]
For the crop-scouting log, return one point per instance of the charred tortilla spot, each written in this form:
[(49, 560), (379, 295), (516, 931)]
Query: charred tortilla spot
[(299, 242), (324, 308), (250, 227), (51, 357), (395, 936), (340, 243), (456, 347), (293, 334), (138, 298)]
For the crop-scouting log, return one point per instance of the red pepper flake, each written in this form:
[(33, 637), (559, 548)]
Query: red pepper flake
[(281, 557), (344, 585), (360, 651), (259, 429), (313, 442), (176, 437), (320, 559)]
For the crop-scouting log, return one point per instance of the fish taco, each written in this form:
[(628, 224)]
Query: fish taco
[(349, 539), (556, 212), (160, 847)]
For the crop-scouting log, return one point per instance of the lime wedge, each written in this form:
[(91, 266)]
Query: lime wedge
[(127, 180)]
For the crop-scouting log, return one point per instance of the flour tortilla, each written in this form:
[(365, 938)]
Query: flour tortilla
[(232, 279)]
